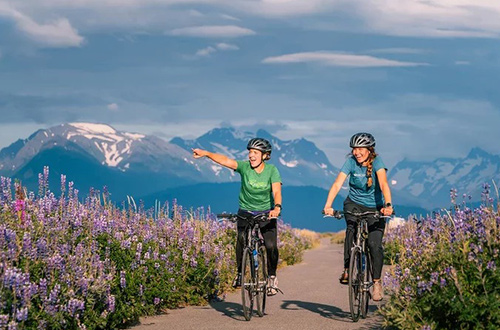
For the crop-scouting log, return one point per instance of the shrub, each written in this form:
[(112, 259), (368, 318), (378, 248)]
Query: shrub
[(66, 264), (445, 273)]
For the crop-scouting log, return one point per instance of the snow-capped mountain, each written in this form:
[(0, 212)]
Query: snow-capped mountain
[(123, 151), (94, 155), (429, 183), (299, 161)]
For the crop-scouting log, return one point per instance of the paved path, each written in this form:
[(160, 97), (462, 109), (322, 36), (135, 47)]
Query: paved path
[(313, 299)]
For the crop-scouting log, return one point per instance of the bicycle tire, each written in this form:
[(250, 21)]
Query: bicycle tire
[(367, 277), (261, 276), (247, 284), (355, 283)]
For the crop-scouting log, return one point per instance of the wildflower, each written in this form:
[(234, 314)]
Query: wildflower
[(123, 281)]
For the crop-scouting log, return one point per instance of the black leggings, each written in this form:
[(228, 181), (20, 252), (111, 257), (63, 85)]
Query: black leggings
[(376, 229), (269, 231)]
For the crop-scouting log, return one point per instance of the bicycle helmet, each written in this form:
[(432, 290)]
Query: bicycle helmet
[(362, 140), (260, 144)]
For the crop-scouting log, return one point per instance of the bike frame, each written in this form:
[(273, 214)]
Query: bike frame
[(255, 258), (360, 265)]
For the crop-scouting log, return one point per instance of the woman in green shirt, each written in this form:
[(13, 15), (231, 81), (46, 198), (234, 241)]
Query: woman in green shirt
[(260, 193)]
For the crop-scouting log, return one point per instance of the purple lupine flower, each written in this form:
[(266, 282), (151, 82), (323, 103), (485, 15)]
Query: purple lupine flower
[(123, 281), (491, 265), (157, 301), (111, 303), (434, 277), (54, 293), (22, 314), (12, 325), (75, 305), (42, 288), (4, 319)]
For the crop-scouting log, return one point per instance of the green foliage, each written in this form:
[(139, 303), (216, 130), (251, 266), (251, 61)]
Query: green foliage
[(71, 265), (445, 272)]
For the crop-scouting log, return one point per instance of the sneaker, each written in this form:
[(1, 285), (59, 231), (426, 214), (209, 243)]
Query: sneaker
[(344, 277), (272, 285), (237, 281), (378, 291)]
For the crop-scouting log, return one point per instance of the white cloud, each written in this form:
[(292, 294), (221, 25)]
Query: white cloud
[(213, 31), (337, 59), (219, 47), (398, 51), (229, 17), (224, 46), (206, 51), (113, 107), (58, 33), (195, 13), (431, 18)]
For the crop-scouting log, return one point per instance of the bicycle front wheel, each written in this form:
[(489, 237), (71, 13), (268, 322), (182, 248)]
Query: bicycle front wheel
[(355, 283), (368, 280), (261, 281), (247, 284)]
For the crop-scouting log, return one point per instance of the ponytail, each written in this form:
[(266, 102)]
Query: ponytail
[(369, 166)]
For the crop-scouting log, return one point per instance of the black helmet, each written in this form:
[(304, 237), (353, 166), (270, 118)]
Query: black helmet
[(260, 144), (362, 140)]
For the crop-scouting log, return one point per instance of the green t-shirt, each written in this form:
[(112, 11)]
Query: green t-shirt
[(256, 193)]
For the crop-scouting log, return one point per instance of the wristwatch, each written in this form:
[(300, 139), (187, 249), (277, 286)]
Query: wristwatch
[(278, 205), (388, 205)]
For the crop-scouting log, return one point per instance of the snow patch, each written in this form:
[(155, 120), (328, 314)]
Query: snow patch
[(106, 139), (222, 149), (323, 166), (94, 128), (402, 177), (216, 169), (293, 163), (468, 165), (134, 136), (416, 189)]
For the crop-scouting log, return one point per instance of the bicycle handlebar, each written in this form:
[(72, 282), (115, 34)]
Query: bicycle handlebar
[(339, 214), (233, 217)]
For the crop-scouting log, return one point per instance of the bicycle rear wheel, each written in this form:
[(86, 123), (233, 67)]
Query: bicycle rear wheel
[(355, 283), (368, 279), (247, 284), (261, 281)]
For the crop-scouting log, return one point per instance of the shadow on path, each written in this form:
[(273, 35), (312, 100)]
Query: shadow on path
[(327, 311), (230, 309)]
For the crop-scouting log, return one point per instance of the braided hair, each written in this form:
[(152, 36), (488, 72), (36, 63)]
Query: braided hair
[(369, 165)]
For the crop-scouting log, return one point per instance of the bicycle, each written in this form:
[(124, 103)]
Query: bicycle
[(253, 265), (360, 264)]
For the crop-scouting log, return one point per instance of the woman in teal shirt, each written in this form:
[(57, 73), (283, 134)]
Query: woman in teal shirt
[(368, 189)]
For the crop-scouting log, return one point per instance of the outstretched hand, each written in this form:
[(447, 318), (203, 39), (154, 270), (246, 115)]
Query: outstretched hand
[(198, 153)]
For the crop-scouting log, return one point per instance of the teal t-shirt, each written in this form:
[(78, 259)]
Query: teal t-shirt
[(256, 193), (359, 192)]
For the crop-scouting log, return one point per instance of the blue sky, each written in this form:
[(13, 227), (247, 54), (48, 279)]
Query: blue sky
[(422, 76)]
